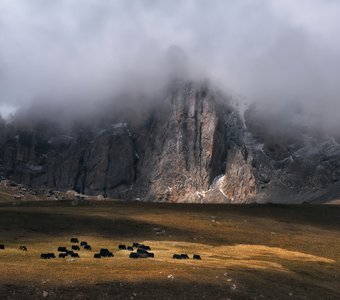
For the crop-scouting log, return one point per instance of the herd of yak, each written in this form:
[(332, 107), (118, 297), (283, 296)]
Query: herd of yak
[(141, 251)]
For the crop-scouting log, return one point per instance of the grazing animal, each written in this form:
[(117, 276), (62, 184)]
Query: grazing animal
[(150, 254), (74, 247), (74, 240), (185, 256), (69, 252), (135, 245), (141, 251), (129, 248), (177, 256), (83, 244), (62, 249), (122, 247), (2, 247), (47, 255), (143, 255), (75, 255), (196, 256), (87, 247), (141, 246), (23, 248), (97, 255), (134, 255), (105, 253), (62, 255)]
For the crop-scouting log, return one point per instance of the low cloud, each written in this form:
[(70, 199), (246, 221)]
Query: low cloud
[(78, 53)]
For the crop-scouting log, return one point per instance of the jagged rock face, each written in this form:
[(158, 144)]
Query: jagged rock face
[(193, 146), (185, 149)]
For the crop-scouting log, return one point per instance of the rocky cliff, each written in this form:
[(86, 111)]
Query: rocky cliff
[(192, 146)]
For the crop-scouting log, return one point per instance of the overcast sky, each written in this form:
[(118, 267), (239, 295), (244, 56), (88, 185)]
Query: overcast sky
[(275, 52)]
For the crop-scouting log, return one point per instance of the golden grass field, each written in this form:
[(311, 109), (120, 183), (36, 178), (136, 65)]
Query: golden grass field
[(248, 252)]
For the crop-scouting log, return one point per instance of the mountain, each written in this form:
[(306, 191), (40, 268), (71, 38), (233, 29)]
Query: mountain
[(192, 145)]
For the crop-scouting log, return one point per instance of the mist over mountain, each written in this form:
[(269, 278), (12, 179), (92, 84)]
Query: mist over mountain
[(173, 100), (75, 55)]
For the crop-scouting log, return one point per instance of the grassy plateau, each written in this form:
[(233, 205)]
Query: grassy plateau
[(248, 252)]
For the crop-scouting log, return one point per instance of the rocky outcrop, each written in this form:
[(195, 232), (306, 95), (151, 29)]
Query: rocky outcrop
[(192, 146)]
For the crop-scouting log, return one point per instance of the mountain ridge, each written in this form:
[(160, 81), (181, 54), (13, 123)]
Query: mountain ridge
[(193, 146)]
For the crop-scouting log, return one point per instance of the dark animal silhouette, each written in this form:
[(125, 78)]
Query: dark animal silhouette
[(97, 255), (87, 247), (129, 248), (135, 245), (2, 247), (74, 240), (23, 248), (185, 256), (150, 254), (105, 253), (134, 255), (69, 252), (83, 244), (74, 247), (177, 256), (47, 255), (122, 247), (141, 251), (143, 255), (141, 246), (196, 256), (75, 255), (62, 249), (62, 255)]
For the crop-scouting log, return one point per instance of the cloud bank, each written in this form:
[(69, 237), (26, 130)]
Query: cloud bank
[(80, 52)]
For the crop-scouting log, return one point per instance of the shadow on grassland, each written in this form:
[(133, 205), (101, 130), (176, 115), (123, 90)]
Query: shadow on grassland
[(251, 285), (35, 223)]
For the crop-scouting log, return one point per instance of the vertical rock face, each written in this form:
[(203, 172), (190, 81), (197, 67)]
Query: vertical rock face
[(185, 149)]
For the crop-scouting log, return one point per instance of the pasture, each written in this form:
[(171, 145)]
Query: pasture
[(248, 252)]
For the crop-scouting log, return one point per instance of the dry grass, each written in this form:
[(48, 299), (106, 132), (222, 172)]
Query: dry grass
[(248, 252)]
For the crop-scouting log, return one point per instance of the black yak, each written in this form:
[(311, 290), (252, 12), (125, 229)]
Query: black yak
[(2, 247), (75, 255), (134, 255), (47, 255), (196, 256), (139, 250), (62, 255), (129, 248), (185, 256), (97, 255), (177, 256), (74, 240), (62, 249), (83, 244), (122, 247), (75, 247), (87, 247), (105, 253)]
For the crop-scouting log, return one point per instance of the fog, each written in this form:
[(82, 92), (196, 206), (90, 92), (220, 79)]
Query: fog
[(77, 54)]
